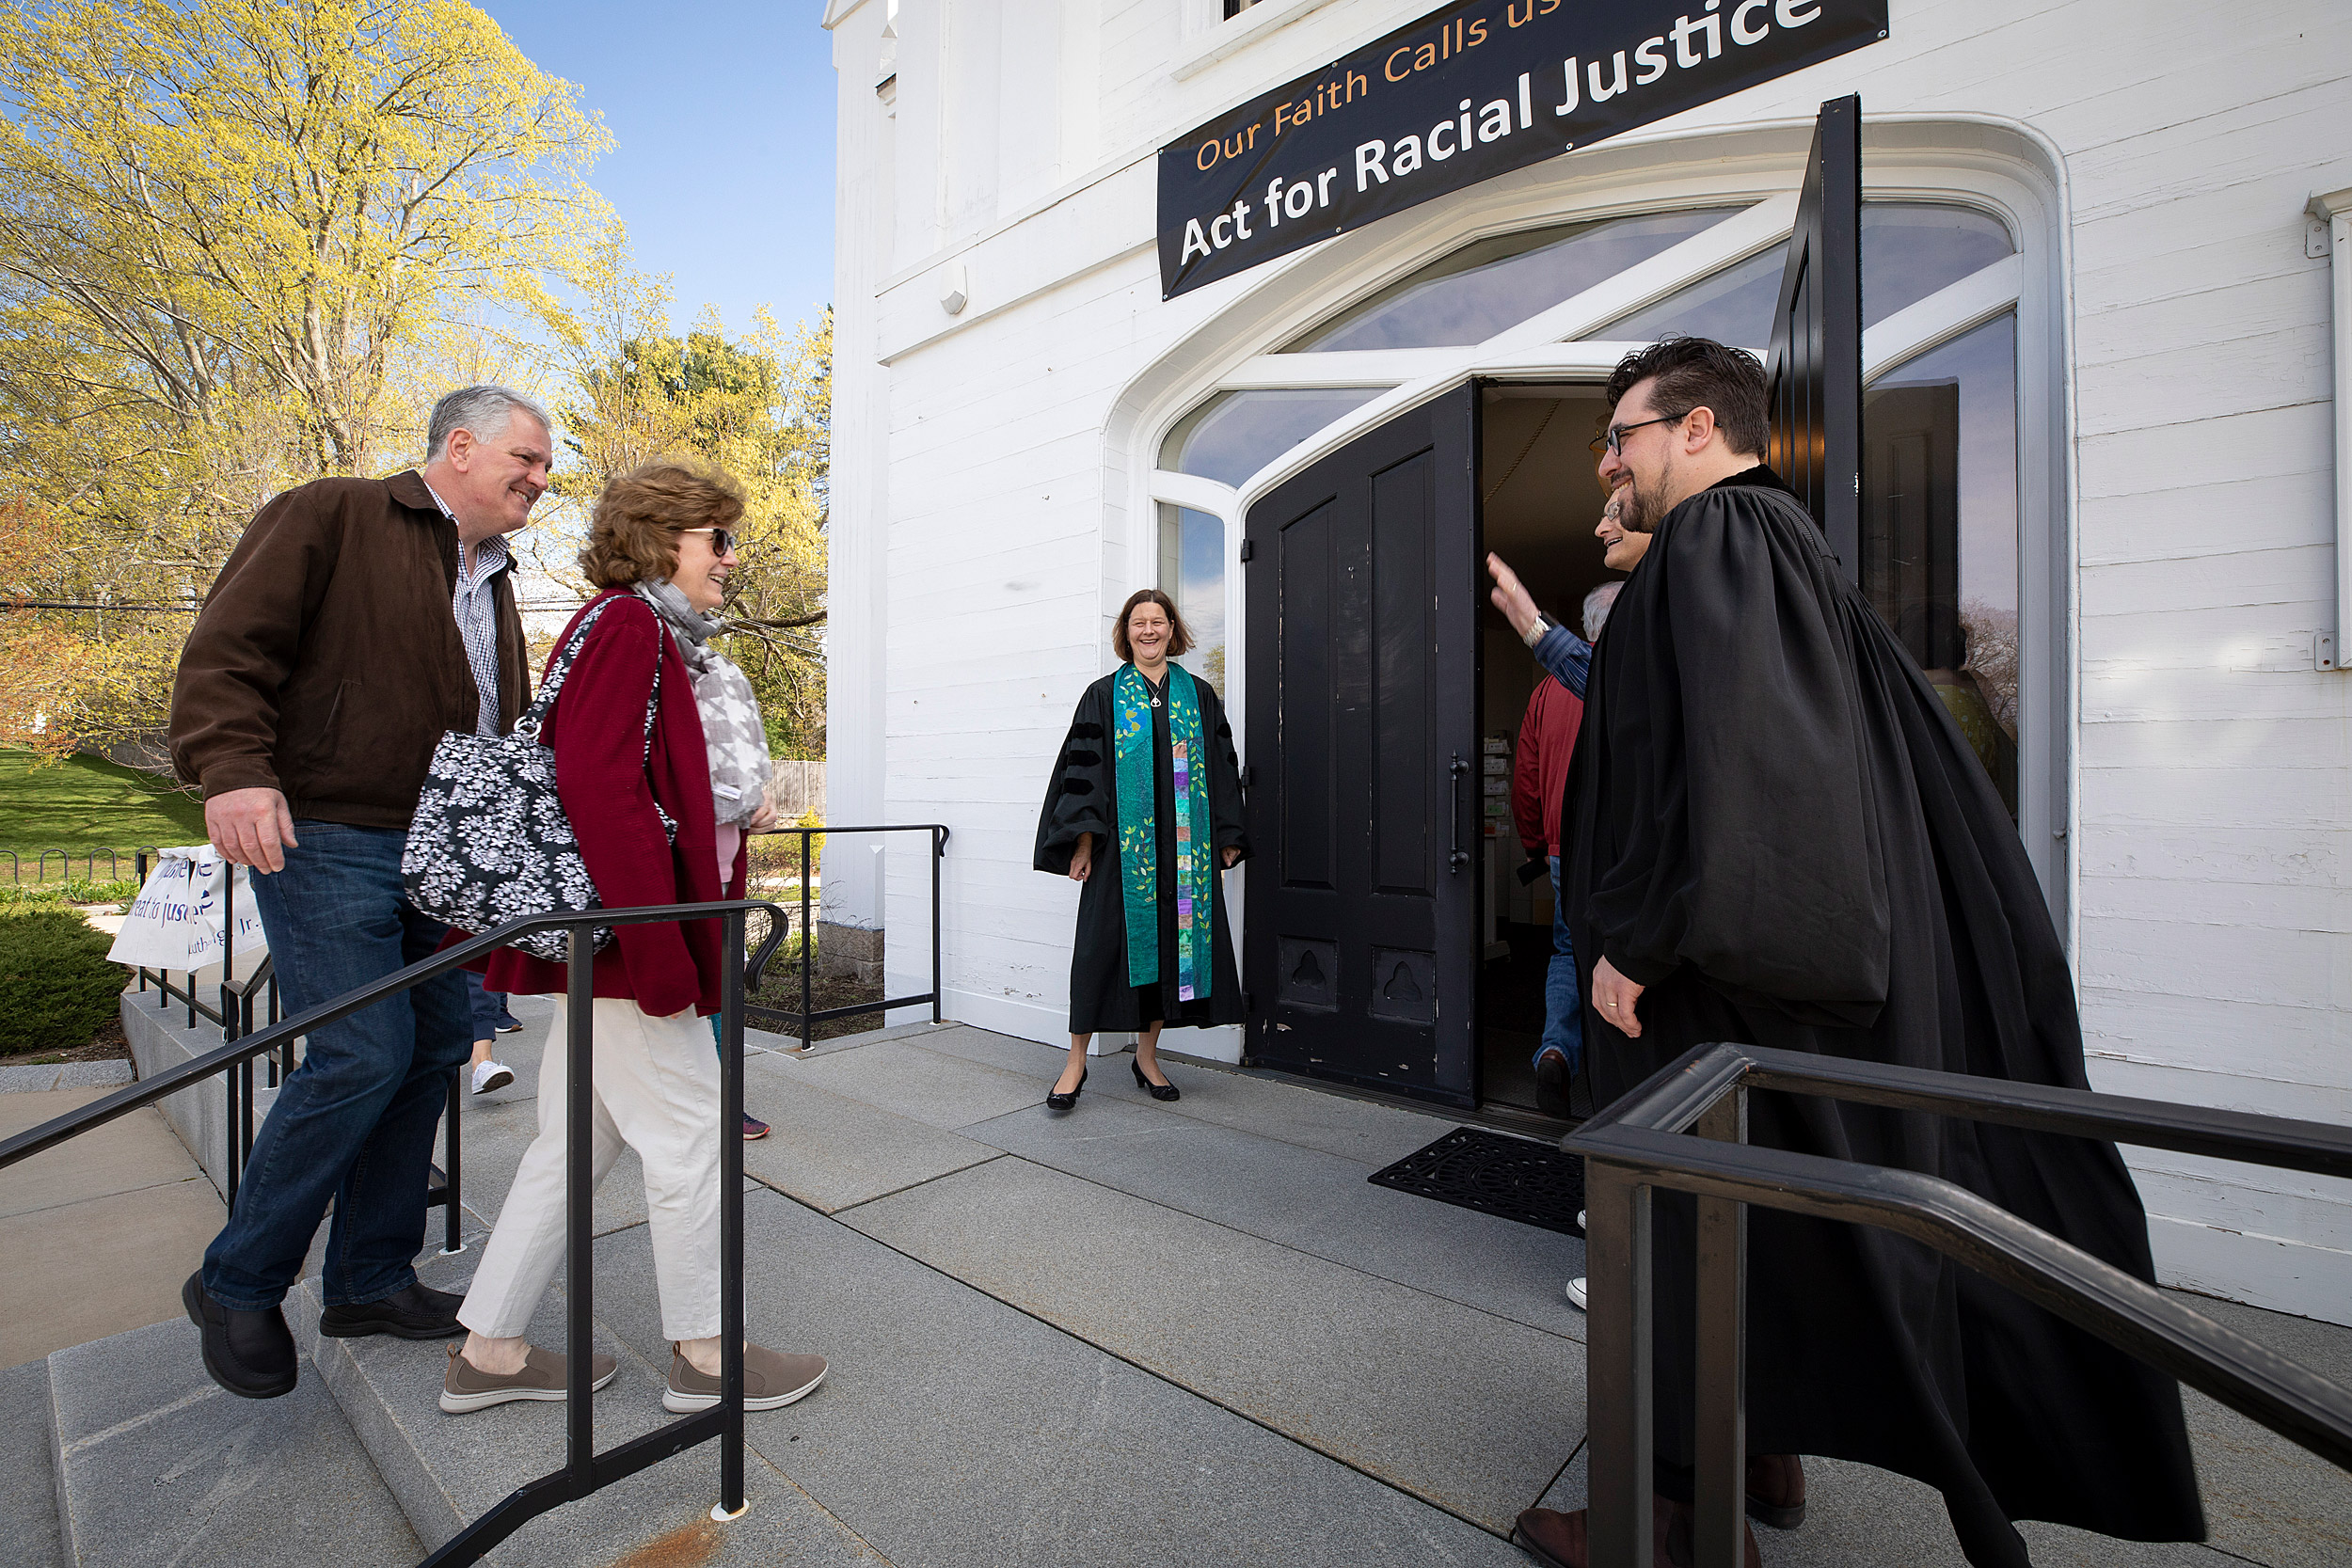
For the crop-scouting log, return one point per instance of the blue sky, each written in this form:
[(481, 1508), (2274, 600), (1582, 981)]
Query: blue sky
[(722, 119)]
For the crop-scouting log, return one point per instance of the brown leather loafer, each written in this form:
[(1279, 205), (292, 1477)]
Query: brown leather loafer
[(1558, 1540), (1776, 1490)]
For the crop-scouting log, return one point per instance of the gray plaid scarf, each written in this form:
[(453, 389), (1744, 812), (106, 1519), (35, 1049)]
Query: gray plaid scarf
[(737, 741)]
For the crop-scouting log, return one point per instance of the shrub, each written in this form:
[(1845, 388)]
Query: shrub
[(57, 988)]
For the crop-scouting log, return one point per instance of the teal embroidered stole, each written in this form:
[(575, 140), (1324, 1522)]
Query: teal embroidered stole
[(1138, 860)]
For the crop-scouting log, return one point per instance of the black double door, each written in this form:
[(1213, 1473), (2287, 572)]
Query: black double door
[(1360, 948)]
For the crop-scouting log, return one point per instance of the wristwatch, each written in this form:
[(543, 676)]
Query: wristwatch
[(1534, 634)]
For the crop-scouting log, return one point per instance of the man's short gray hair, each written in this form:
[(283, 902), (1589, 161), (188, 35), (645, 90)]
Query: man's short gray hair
[(484, 410), (1597, 606)]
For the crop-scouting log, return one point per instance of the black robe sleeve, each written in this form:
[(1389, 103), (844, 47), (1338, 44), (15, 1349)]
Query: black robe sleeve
[(1225, 796), (1750, 849), (1080, 797)]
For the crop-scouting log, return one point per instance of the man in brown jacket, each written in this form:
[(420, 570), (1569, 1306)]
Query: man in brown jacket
[(356, 622)]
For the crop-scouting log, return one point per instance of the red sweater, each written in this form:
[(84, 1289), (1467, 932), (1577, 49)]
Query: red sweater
[(1539, 774), (597, 731)]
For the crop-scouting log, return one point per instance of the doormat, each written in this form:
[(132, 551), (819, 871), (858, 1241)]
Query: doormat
[(1516, 1179)]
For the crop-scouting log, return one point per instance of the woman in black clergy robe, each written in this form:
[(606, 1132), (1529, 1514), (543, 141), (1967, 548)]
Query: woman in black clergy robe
[(1143, 868), (1774, 826)]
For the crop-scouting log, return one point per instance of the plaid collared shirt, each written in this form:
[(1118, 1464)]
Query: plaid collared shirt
[(476, 608)]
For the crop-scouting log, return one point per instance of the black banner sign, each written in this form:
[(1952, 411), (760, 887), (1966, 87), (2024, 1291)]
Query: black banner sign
[(1471, 91)]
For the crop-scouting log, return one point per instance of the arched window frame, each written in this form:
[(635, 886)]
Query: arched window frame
[(1994, 165)]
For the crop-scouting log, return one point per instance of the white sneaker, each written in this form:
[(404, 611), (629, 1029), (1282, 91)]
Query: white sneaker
[(1575, 1292), (491, 1075), (1580, 1219)]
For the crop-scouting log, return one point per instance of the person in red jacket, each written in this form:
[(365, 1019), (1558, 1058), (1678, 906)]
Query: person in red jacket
[(1539, 774), (654, 806)]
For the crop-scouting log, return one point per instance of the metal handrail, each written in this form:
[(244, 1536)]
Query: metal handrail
[(1642, 1143), (585, 1470), (805, 1022)]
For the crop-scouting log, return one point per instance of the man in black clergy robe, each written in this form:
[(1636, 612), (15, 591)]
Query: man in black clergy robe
[(1774, 834)]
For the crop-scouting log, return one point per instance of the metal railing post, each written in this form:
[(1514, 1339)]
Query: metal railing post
[(228, 953), (939, 858), (453, 1241), (808, 1000), (229, 1133), (1621, 1421), (1721, 1426), (731, 1327), (579, 1215)]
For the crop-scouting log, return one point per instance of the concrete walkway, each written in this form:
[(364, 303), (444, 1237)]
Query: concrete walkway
[(99, 1232), (1193, 1332), (1135, 1334)]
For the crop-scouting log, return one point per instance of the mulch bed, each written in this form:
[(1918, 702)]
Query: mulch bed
[(783, 993), (108, 1045)]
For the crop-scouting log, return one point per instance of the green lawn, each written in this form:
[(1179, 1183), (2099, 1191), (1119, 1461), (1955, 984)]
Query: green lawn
[(83, 803)]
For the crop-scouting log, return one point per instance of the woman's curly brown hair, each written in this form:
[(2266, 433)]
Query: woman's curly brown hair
[(633, 536)]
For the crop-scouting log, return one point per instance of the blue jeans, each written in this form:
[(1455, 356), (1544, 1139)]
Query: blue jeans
[(488, 1006), (356, 1122), (1564, 1000)]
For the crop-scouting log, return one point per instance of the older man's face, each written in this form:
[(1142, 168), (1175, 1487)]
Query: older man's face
[(501, 478)]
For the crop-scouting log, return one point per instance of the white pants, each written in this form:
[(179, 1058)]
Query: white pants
[(657, 1090)]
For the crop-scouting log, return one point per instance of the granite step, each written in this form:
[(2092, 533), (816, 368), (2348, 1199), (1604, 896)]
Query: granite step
[(29, 1468), (154, 1463), (443, 1471)]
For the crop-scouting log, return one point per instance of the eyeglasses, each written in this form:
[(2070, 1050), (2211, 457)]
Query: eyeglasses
[(721, 540), (1614, 440)]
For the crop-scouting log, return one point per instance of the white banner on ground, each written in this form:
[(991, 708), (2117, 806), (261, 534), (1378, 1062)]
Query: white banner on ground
[(177, 921)]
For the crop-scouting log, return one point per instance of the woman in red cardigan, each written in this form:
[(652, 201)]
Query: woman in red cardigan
[(659, 811)]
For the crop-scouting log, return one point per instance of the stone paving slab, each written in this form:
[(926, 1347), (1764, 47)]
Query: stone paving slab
[(445, 1470), (1305, 1198), (830, 1151), (1337, 1124), (29, 1469), (936, 1087), (1861, 1518), (123, 1155), (954, 1431), (1468, 1410), (33, 1078), (159, 1465)]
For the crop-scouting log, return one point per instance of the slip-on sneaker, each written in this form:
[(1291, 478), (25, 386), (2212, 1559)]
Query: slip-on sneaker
[(414, 1311), (466, 1386), (770, 1380), (490, 1076), (251, 1354)]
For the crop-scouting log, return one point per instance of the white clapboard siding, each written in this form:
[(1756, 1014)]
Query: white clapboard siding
[(984, 518)]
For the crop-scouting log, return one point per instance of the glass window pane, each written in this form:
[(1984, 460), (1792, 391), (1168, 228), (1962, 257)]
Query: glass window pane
[(1939, 529), (1911, 249), (1908, 250), (1192, 570), (1490, 284), (1233, 435), (1734, 306)]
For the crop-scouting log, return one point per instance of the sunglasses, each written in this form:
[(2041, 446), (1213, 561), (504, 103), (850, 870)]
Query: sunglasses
[(1614, 440), (721, 540)]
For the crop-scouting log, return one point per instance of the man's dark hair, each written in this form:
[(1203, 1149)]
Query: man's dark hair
[(1699, 373)]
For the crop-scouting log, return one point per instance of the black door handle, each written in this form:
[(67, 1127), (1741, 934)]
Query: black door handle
[(1458, 857)]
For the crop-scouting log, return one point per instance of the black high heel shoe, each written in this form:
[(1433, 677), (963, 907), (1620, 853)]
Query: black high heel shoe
[(1064, 1101), (1157, 1091)]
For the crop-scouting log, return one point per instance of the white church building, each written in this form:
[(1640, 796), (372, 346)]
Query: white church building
[(2106, 478)]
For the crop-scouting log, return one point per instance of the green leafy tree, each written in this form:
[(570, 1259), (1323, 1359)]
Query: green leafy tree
[(233, 236), (759, 407)]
